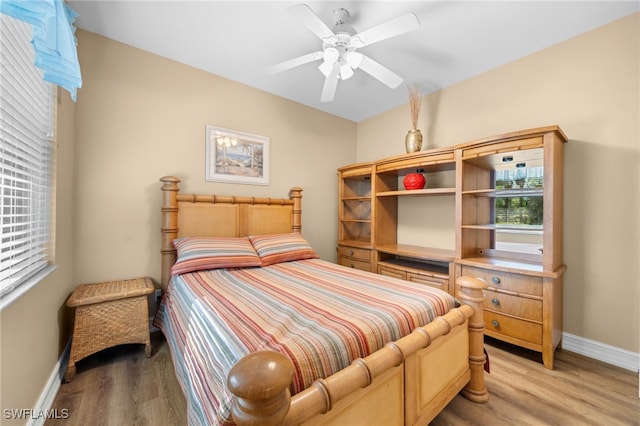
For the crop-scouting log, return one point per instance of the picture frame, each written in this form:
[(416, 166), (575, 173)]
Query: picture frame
[(236, 157)]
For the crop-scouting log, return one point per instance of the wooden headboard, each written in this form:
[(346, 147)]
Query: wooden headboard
[(193, 215)]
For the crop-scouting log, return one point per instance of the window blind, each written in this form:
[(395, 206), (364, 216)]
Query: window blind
[(27, 127)]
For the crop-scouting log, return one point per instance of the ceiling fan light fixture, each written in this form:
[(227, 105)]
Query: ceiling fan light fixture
[(326, 68), (345, 71), (353, 59), (331, 54)]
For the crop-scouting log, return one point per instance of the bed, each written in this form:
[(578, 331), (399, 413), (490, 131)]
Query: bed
[(263, 331)]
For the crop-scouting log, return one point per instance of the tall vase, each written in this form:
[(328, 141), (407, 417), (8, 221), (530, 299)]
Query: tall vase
[(413, 140)]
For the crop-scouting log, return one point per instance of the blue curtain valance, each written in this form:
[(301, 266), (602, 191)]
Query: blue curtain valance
[(54, 39)]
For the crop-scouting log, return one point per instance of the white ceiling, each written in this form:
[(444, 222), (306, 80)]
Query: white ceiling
[(239, 39)]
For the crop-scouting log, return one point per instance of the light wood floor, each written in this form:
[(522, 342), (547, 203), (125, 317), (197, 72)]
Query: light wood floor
[(120, 386)]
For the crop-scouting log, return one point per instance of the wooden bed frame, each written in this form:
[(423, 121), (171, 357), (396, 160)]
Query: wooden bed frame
[(409, 381)]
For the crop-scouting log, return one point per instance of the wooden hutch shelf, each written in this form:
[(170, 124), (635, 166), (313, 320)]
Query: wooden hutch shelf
[(418, 252), (507, 195), (417, 192)]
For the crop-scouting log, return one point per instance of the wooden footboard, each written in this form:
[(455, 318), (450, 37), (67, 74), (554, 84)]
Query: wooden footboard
[(408, 381)]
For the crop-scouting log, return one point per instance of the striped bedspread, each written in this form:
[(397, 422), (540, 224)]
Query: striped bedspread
[(321, 315)]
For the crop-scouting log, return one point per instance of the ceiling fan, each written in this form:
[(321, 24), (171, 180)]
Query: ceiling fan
[(339, 45)]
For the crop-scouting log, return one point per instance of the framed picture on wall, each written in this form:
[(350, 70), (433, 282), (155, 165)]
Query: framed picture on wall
[(236, 157)]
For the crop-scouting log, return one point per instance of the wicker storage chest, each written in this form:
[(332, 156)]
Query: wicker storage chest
[(108, 314)]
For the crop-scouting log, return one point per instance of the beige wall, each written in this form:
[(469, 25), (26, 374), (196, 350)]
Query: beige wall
[(588, 85), (140, 117), (35, 328)]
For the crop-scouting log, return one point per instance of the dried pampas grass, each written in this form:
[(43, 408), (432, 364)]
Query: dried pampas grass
[(414, 105)]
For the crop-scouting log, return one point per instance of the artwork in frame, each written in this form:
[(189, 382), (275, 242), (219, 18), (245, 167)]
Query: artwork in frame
[(236, 157)]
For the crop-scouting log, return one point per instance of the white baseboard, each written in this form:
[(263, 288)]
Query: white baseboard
[(51, 388), (601, 351)]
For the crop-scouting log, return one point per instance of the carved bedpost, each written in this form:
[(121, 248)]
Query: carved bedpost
[(471, 293), (260, 382), (296, 195), (169, 228)]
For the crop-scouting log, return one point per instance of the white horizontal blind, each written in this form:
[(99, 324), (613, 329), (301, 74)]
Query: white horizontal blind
[(26, 135)]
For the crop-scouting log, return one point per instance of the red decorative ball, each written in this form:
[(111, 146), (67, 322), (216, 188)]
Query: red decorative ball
[(414, 181)]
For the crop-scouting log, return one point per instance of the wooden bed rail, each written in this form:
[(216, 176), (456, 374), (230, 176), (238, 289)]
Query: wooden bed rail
[(261, 380)]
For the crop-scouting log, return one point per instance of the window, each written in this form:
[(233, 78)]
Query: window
[(518, 209), (521, 207), (27, 128)]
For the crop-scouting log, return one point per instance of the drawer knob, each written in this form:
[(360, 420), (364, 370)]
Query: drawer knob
[(495, 302), (495, 323), (351, 253), (495, 280), (352, 265)]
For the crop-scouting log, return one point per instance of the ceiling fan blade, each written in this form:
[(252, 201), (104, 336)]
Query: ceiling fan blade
[(330, 84), (396, 26), (379, 72), (311, 20), (295, 62)]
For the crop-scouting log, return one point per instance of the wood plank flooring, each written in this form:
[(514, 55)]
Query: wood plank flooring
[(120, 386), (578, 391)]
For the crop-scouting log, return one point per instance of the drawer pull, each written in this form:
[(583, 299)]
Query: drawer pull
[(495, 323), (351, 253), (495, 280), (495, 302), (352, 265)]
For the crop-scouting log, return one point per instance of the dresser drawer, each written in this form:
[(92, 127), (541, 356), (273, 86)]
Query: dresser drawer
[(356, 253), (353, 263), (513, 305), (517, 283), (442, 284), (392, 272), (414, 276), (512, 327)]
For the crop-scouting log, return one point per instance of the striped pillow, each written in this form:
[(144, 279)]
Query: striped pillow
[(278, 248), (200, 253)]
